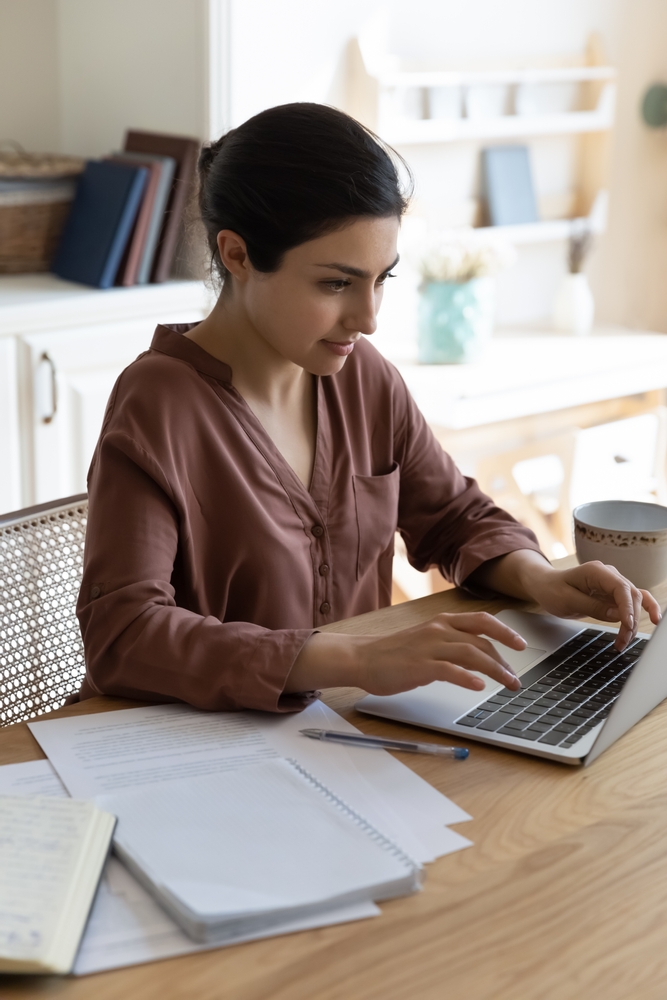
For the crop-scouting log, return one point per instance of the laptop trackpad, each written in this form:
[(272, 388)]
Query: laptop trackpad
[(519, 661)]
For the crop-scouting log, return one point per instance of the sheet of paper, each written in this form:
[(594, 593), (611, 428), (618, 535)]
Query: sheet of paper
[(395, 799), (94, 754), (112, 750), (33, 777), (126, 925)]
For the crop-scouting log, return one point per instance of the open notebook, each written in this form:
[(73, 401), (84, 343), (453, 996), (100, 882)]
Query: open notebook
[(244, 849), (52, 852)]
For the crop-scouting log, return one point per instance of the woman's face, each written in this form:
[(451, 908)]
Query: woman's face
[(325, 295)]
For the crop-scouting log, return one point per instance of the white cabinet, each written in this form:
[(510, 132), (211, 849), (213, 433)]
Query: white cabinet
[(71, 374), (66, 347), (10, 466)]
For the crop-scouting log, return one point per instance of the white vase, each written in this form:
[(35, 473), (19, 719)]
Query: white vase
[(574, 308)]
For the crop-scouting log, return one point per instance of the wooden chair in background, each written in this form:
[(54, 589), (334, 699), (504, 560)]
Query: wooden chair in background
[(533, 483)]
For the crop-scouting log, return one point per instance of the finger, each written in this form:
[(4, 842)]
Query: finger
[(454, 635), (481, 623), (443, 670), (600, 579), (465, 654), (622, 591), (629, 619), (651, 606)]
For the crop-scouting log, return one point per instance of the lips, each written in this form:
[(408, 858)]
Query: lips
[(341, 348)]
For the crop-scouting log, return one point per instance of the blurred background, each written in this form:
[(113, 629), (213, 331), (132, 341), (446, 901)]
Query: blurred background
[(533, 145)]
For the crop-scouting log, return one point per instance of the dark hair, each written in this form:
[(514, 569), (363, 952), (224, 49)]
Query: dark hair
[(293, 173)]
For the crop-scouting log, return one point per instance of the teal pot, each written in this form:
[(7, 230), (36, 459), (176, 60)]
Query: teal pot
[(455, 320)]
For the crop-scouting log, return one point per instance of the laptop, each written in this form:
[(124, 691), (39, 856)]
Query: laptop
[(578, 694)]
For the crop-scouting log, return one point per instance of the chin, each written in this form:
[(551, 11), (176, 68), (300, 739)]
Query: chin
[(325, 366)]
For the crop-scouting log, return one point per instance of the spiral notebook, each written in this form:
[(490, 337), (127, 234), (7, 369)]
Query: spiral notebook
[(245, 849)]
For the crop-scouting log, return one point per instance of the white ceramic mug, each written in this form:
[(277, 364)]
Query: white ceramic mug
[(629, 535)]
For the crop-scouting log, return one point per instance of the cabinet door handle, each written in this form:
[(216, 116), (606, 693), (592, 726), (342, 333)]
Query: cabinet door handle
[(48, 417)]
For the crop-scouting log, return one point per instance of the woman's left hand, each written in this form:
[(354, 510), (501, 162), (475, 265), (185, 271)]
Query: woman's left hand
[(593, 590)]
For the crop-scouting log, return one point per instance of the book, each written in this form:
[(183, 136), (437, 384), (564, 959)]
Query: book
[(128, 269), (167, 165), (185, 152), (99, 224), (52, 853), (240, 851), (508, 185)]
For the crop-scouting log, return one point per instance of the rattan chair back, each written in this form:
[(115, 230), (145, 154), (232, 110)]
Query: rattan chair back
[(41, 653)]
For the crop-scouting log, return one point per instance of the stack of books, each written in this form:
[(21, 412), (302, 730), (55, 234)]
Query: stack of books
[(127, 214)]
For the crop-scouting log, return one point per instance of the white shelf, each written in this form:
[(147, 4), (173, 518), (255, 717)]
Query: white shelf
[(453, 78), (535, 232), (41, 301), (431, 130)]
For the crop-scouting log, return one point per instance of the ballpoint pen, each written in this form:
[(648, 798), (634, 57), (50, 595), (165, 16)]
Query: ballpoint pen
[(379, 742)]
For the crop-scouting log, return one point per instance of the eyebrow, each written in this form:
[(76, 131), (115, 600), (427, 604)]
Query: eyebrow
[(356, 272)]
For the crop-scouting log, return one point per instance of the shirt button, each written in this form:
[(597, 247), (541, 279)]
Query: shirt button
[(324, 569), (95, 592), (317, 530), (325, 608)]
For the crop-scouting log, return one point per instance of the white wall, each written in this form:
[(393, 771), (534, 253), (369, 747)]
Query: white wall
[(301, 47), (130, 63), (629, 276), (74, 74), (29, 110)]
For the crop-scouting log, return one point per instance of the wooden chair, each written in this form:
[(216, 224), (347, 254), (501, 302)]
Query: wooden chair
[(41, 652), (497, 476)]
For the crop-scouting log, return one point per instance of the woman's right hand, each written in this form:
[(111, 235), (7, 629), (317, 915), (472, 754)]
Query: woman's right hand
[(449, 647)]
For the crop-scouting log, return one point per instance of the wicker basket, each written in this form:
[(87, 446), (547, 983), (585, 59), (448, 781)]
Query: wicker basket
[(35, 196)]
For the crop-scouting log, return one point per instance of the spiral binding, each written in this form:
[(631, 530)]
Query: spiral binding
[(373, 833)]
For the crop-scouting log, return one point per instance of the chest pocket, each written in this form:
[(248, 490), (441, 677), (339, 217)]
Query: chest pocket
[(376, 502)]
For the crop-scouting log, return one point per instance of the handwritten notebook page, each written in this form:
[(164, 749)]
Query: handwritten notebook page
[(51, 855)]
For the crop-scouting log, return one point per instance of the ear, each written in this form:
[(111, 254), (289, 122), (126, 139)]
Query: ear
[(234, 254)]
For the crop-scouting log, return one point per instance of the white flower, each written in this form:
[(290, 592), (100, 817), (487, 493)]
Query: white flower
[(463, 254)]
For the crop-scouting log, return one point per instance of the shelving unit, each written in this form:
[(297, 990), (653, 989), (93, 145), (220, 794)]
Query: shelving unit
[(514, 123), (425, 107)]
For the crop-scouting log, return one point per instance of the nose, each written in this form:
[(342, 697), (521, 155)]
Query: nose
[(362, 317)]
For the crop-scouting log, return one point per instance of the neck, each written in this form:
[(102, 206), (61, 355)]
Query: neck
[(259, 373)]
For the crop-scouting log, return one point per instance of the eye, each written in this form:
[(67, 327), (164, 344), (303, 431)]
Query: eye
[(337, 285), (383, 277)]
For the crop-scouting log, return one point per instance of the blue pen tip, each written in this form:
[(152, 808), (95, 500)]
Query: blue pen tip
[(461, 753)]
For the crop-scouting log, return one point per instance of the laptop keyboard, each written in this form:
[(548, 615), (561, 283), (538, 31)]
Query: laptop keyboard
[(565, 696)]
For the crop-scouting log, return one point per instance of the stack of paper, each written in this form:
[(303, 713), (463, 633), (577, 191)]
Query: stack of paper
[(102, 754)]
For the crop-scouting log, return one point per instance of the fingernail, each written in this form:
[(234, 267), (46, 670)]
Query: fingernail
[(631, 622), (611, 615), (659, 616)]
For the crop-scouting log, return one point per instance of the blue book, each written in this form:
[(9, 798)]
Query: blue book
[(508, 185), (99, 224)]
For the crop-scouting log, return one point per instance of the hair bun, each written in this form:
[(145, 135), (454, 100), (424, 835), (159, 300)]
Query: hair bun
[(208, 153)]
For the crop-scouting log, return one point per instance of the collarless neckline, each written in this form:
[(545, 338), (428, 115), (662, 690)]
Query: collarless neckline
[(169, 339)]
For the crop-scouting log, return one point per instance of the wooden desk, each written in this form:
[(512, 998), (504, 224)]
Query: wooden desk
[(561, 898)]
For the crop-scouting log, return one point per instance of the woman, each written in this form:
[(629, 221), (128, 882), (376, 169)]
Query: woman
[(252, 468)]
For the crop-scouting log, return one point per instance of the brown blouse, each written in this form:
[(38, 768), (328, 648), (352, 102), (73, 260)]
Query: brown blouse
[(208, 564)]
